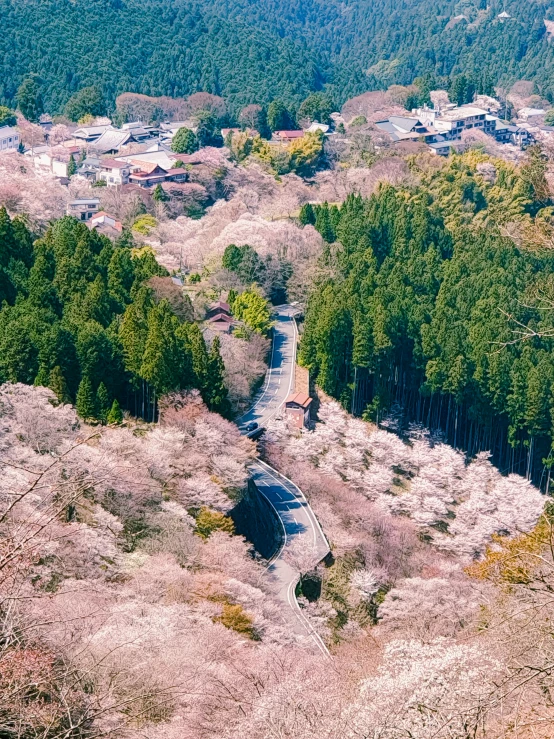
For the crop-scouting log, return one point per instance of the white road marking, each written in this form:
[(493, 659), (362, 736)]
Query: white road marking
[(285, 338), (311, 516), (293, 603)]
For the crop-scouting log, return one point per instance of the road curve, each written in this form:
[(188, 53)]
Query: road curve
[(301, 529)]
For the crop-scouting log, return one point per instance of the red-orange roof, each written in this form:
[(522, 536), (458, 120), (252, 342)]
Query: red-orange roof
[(290, 134), (300, 399)]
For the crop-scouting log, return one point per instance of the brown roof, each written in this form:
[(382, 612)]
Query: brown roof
[(222, 305), (220, 317), (114, 164), (177, 170), (146, 167), (300, 399)]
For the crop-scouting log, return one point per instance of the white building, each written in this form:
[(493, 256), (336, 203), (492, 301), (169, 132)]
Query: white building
[(114, 172), (83, 209), (451, 122), (9, 138)]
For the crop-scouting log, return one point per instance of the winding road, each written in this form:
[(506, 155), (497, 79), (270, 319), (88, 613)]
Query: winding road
[(301, 529)]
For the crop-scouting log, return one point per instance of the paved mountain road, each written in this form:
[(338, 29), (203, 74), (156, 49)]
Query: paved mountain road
[(279, 381), (301, 529)]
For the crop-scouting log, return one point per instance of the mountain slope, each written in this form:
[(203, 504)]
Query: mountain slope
[(250, 50)]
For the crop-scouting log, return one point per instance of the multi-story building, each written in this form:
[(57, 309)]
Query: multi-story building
[(83, 209), (114, 172), (442, 129), (451, 121), (9, 138)]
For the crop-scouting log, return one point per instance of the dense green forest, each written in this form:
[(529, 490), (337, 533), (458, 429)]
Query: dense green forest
[(98, 323), (426, 304), (257, 50)]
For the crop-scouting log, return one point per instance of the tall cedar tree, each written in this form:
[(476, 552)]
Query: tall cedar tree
[(86, 400), (216, 393), (102, 403)]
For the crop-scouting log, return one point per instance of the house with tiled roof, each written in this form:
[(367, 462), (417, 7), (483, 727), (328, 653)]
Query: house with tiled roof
[(89, 134), (114, 172), (147, 174), (111, 141), (285, 137)]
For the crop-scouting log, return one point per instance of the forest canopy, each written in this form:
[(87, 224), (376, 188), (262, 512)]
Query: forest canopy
[(84, 316), (425, 306), (257, 52)]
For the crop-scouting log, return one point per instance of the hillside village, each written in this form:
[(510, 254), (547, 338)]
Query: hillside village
[(141, 154), (276, 370)]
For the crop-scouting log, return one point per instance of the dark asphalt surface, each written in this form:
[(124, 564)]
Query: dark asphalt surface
[(301, 529)]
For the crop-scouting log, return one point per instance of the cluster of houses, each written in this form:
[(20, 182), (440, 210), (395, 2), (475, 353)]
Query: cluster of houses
[(101, 151), (441, 128)]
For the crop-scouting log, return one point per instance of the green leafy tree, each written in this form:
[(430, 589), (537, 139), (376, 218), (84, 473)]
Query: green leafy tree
[(253, 309), (533, 173), (29, 99), (323, 223), (316, 107), (133, 332), (549, 117), (462, 89), (199, 357), (121, 276), (278, 117), (208, 131), (167, 363), (85, 403), (209, 521), (232, 258), (305, 154), (184, 141), (88, 101), (72, 166), (307, 215), (160, 195), (115, 416), (7, 116), (231, 297), (102, 403)]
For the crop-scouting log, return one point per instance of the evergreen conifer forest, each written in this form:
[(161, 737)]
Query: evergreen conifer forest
[(79, 317), (432, 308), (255, 52)]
